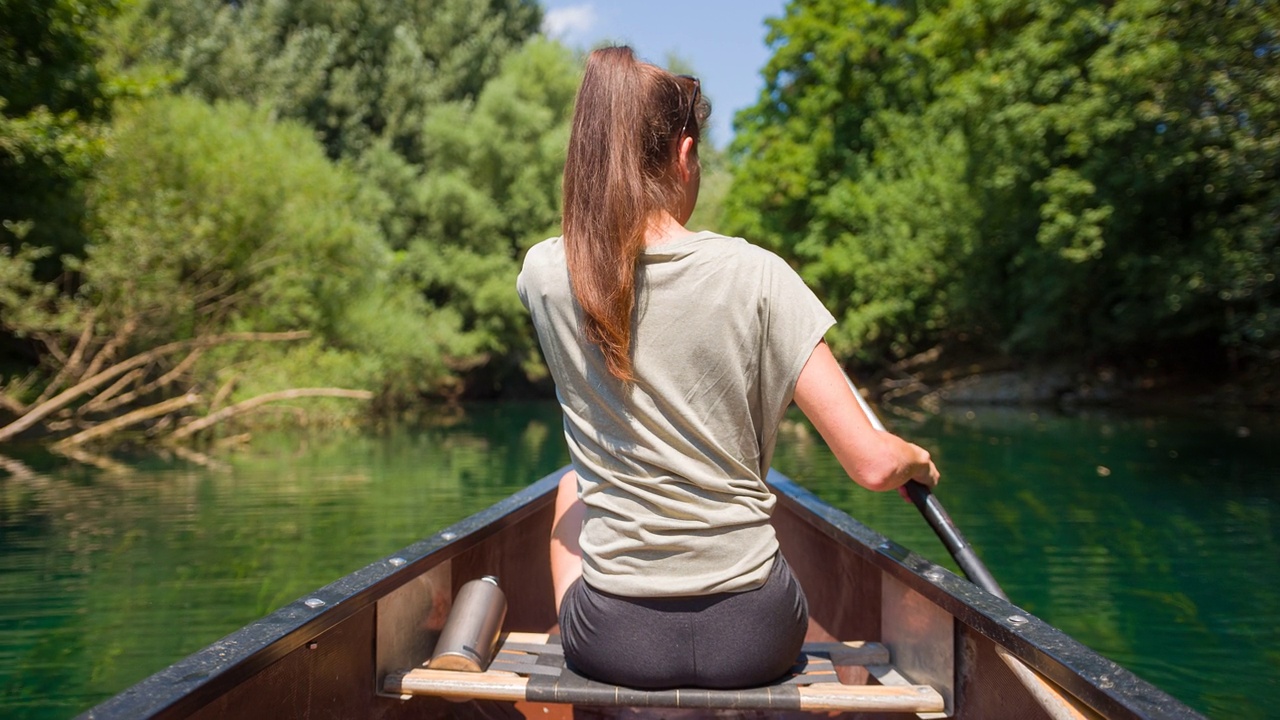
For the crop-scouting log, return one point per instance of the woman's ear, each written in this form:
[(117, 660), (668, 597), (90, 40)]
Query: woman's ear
[(687, 159), (689, 174)]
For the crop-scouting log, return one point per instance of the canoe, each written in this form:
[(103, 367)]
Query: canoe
[(888, 629)]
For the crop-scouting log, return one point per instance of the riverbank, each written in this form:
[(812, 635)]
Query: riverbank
[(951, 376)]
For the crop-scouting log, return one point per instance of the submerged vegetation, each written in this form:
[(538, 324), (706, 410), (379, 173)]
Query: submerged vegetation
[(1088, 181)]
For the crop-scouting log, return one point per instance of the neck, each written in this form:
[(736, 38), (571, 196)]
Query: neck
[(663, 227)]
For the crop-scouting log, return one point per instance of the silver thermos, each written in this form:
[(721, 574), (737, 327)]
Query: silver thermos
[(470, 633)]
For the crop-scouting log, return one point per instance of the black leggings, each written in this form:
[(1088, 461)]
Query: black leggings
[(726, 640)]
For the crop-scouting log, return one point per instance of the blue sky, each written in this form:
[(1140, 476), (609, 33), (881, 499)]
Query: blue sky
[(723, 40)]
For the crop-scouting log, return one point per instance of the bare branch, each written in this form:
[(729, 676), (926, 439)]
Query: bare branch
[(174, 374), (113, 345), (71, 366), (66, 397), (255, 402), (11, 404), (102, 397), (51, 342), (231, 440), (116, 424), (223, 393), (60, 424), (214, 292)]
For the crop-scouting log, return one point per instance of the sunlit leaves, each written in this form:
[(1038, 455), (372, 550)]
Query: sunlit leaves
[(1091, 157)]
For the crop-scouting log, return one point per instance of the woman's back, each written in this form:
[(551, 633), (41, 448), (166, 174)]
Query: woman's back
[(672, 464)]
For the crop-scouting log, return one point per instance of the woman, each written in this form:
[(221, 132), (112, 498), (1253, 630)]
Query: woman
[(675, 355)]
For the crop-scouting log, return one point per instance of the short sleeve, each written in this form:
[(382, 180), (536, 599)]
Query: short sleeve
[(521, 288), (793, 321)]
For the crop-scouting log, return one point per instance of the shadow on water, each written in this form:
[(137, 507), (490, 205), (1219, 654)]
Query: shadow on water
[(1151, 539)]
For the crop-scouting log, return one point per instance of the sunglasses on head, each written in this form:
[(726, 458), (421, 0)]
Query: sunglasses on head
[(697, 92)]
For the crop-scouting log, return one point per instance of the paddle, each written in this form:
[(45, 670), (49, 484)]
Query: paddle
[(939, 520), (1056, 702), (949, 534)]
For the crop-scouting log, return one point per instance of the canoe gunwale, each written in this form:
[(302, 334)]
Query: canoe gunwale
[(189, 684), (1112, 690)]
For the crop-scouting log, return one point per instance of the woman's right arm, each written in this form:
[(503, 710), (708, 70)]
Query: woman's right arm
[(875, 459)]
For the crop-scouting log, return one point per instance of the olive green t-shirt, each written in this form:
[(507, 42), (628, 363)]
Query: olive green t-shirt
[(671, 467)]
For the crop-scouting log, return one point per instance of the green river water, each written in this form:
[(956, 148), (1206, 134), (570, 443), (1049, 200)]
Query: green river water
[(1154, 540)]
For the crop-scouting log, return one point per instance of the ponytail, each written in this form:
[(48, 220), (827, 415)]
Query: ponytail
[(627, 124)]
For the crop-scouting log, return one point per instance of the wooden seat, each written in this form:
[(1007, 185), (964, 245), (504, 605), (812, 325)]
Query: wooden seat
[(530, 667)]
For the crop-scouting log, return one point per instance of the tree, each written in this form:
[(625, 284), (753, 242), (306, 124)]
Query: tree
[(493, 191), (52, 104), (1053, 178), (356, 70), (455, 119), (212, 225)]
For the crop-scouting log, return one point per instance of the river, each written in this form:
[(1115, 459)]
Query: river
[(1155, 540)]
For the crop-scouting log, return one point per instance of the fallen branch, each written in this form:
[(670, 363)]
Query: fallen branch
[(101, 398), (107, 405), (66, 397), (71, 365), (124, 421), (51, 344), (230, 440), (11, 405), (108, 351), (253, 403), (223, 393)]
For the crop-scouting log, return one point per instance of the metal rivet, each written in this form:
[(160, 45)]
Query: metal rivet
[(397, 561), (1018, 619), (448, 535), (313, 602), (933, 574)]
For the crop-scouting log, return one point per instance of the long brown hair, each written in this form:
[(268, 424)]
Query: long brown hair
[(628, 122)]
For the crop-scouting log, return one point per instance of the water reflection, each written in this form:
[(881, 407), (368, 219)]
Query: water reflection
[(1153, 539), (108, 575)]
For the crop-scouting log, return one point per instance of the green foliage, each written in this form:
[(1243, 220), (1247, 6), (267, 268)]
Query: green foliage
[(52, 100), (273, 237), (454, 120), (370, 171), (1051, 177), (270, 237), (356, 70), (494, 191)]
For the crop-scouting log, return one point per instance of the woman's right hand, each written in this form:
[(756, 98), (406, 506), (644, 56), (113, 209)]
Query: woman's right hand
[(927, 474)]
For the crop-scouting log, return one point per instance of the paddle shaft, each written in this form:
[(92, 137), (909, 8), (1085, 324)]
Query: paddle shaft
[(937, 517), (949, 534), (1057, 703)]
